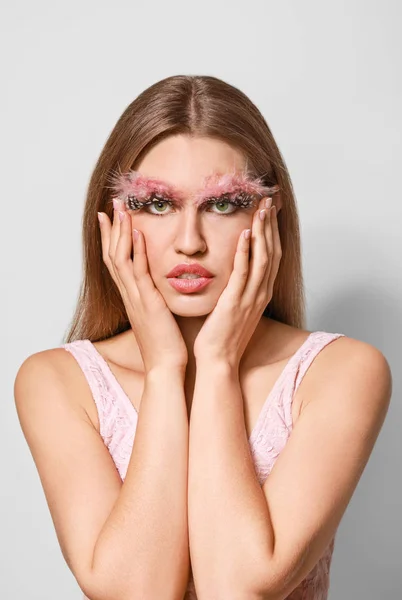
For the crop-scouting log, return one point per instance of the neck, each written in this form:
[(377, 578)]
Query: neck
[(190, 328), (129, 356)]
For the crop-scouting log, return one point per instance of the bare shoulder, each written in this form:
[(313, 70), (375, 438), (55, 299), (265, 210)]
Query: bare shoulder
[(48, 371), (352, 367), (78, 475), (40, 365), (348, 389)]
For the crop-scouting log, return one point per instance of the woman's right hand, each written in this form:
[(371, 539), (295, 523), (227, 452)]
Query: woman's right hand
[(155, 329)]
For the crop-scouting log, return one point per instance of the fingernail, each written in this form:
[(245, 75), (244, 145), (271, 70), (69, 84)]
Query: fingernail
[(100, 217), (263, 212), (116, 203), (268, 202), (247, 234), (136, 234)]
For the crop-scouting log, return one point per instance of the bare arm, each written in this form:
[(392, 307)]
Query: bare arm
[(146, 532), (251, 542), (229, 525), (121, 540)]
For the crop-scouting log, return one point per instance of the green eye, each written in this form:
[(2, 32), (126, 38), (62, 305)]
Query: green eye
[(157, 205), (222, 206)]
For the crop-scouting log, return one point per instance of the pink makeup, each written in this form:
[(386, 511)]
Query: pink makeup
[(187, 286), (237, 187), (231, 186)]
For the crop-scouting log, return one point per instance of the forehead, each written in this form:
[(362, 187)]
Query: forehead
[(188, 163)]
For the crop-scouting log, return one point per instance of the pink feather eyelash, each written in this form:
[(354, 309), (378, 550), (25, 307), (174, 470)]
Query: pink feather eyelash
[(231, 184), (134, 189), (133, 183)]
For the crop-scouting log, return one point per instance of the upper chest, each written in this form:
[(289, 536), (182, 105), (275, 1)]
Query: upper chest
[(256, 384)]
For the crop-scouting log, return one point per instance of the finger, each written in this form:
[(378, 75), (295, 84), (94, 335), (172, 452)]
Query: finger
[(105, 230), (115, 231), (269, 249), (141, 272), (260, 260), (277, 251), (115, 234), (122, 257), (238, 278), (104, 226)]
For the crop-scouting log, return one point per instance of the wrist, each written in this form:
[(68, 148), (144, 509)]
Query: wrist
[(221, 365), (166, 372)]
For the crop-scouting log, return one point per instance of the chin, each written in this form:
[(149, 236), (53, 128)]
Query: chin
[(197, 304), (189, 313), (191, 305), (196, 308)]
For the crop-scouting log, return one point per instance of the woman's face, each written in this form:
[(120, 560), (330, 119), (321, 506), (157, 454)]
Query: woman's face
[(187, 233)]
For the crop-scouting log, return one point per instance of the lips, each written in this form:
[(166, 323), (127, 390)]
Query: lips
[(194, 268)]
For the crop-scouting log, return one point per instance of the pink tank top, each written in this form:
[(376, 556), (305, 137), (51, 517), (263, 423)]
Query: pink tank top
[(118, 422)]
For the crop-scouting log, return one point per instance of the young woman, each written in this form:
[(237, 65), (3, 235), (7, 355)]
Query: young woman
[(193, 439)]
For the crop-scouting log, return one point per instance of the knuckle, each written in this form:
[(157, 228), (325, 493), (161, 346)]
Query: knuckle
[(261, 301), (120, 263), (233, 299), (247, 308)]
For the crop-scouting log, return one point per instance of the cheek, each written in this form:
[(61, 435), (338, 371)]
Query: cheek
[(156, 250), (222, 247), (156, 242), (227, 230)]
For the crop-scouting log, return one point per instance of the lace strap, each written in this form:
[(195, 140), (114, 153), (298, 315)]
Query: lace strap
[(316, 342), (83, 355)]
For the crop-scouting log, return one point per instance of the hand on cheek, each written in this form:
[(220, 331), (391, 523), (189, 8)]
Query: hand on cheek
[(229, 327)]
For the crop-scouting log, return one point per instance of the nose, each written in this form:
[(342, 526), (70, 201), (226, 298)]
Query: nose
[(189, 238)]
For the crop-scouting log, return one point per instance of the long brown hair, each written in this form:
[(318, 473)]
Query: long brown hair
[(197, 106)]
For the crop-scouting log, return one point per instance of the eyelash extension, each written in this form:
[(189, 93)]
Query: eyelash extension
[(241, 200), (134, 189), (132, 203)]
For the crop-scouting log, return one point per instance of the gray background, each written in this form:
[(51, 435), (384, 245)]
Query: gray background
[(327, 77)]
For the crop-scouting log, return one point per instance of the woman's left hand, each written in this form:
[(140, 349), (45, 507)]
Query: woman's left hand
[(229, 327)]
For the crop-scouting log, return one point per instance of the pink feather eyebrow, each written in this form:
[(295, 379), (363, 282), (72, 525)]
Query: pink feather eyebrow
[(133, 183)]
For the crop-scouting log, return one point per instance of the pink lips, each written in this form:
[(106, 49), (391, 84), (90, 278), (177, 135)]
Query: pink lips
[(187, 286), (194, 268)]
